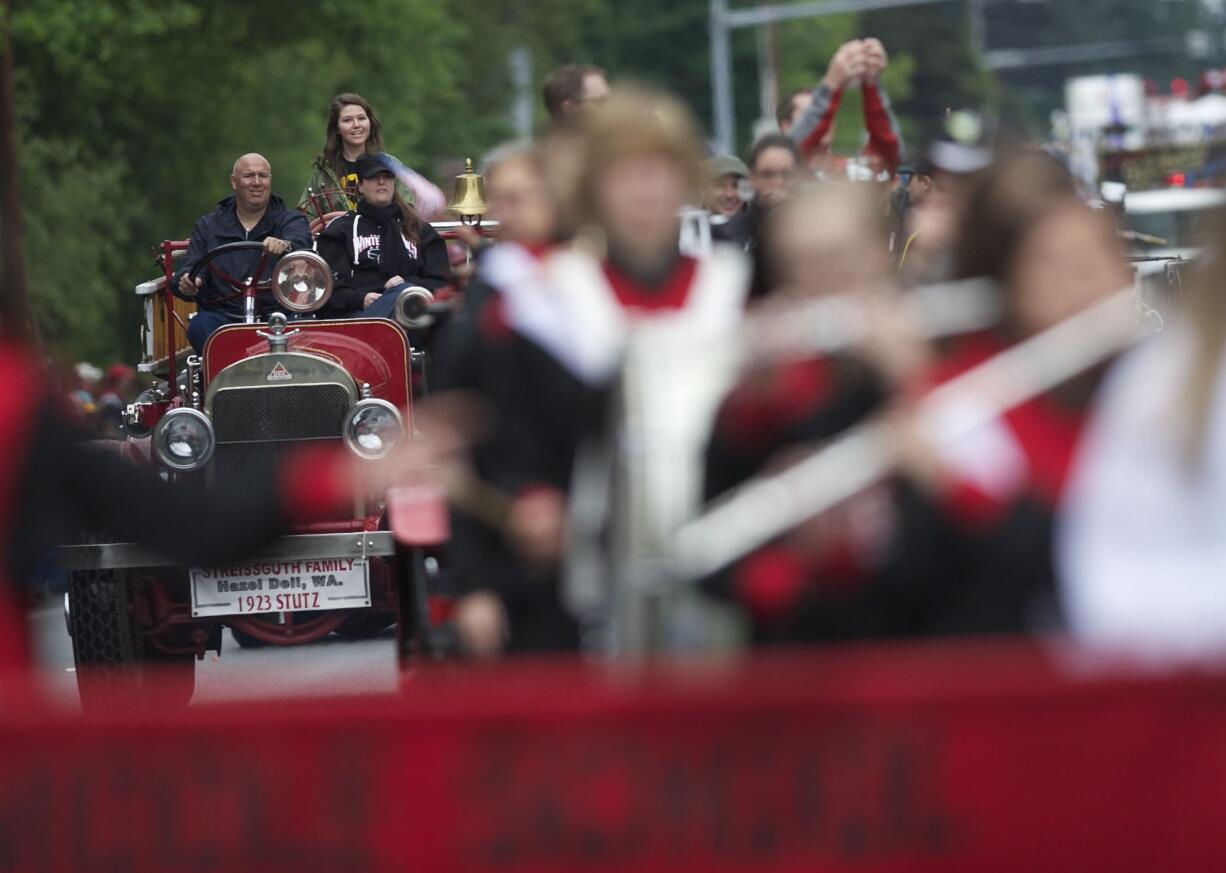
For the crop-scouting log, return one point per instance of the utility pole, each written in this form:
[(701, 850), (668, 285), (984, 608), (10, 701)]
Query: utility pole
[(978, 27), (519, 63), (14, 309), (724, 122), (768, 72)]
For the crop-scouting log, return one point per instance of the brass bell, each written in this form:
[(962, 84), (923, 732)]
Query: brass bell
[(469, 200)]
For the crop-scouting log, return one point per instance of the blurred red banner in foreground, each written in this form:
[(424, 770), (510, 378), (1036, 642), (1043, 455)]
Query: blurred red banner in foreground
[(966, 756)]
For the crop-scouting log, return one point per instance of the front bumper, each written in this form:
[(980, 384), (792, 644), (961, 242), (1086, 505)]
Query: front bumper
[(114, 556)]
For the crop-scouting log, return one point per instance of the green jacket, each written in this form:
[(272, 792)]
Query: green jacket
[(327, 191)]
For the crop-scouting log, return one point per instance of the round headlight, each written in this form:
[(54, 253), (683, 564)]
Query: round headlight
[(183, 439), (302, 282), (373, 428)]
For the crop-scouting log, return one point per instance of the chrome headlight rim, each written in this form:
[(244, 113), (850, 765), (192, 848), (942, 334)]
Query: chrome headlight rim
[(402, 308), (161, 450), (314, 259), (351, 439)]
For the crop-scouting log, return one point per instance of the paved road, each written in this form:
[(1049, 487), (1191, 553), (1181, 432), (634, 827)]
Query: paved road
[(328, 667)]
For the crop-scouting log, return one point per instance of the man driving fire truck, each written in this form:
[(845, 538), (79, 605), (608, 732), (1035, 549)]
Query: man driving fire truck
[(252, 214)]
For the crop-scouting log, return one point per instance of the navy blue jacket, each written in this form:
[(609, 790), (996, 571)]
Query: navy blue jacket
[(222, 226)]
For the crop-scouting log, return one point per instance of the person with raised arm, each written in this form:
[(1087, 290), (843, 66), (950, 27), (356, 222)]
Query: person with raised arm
[(812, 123)]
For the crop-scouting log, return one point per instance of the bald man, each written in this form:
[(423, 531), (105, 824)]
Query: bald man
[(252, 213)]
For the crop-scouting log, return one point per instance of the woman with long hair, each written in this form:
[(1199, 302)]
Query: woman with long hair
[(990, 497), (379, 247), (1142, 540), (354, 130)]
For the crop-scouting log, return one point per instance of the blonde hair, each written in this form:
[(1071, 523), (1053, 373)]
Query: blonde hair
[(634, 122), (1205, 306)]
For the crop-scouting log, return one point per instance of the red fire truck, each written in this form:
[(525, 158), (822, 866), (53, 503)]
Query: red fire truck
[(260, 388)]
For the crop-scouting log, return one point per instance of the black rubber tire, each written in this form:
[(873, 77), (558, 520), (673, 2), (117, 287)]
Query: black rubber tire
[(109, 660), (365, 626)]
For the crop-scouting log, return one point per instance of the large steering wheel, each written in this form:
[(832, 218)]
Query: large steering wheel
[(252, 284), (321, 202)]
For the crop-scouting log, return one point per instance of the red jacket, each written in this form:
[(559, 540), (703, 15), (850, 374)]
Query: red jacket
[(884, 140), (18, 396)]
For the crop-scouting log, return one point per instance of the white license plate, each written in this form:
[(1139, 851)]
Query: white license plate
[(280, 586)]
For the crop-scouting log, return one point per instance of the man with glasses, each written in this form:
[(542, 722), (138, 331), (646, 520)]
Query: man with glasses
[(773, 166)]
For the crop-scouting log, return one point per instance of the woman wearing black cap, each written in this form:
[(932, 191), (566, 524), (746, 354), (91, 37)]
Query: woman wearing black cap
[(379, 248)]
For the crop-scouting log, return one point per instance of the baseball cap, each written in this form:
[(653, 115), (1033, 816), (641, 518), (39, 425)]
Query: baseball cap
[(966, 147), (369, 166), (727, 165)]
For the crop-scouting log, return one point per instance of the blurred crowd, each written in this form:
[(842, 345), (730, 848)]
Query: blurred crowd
[(99, 398), (832, 278), (970, 529)]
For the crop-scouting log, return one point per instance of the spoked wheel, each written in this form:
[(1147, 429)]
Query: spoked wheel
[(111, 663), (296, 628)]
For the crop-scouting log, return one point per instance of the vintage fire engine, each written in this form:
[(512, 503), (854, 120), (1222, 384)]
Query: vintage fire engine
[(260, 389)]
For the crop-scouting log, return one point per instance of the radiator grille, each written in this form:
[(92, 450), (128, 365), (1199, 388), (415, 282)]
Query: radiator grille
[(236, 463), (280, 413)]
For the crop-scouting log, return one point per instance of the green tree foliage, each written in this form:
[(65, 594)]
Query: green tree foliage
[(131, 111), (933, 81)]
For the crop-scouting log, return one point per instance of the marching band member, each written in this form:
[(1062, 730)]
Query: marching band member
[(563, 337), (960, 541), (830, 239), (993, 495), (521, 200), (1142, 540)]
